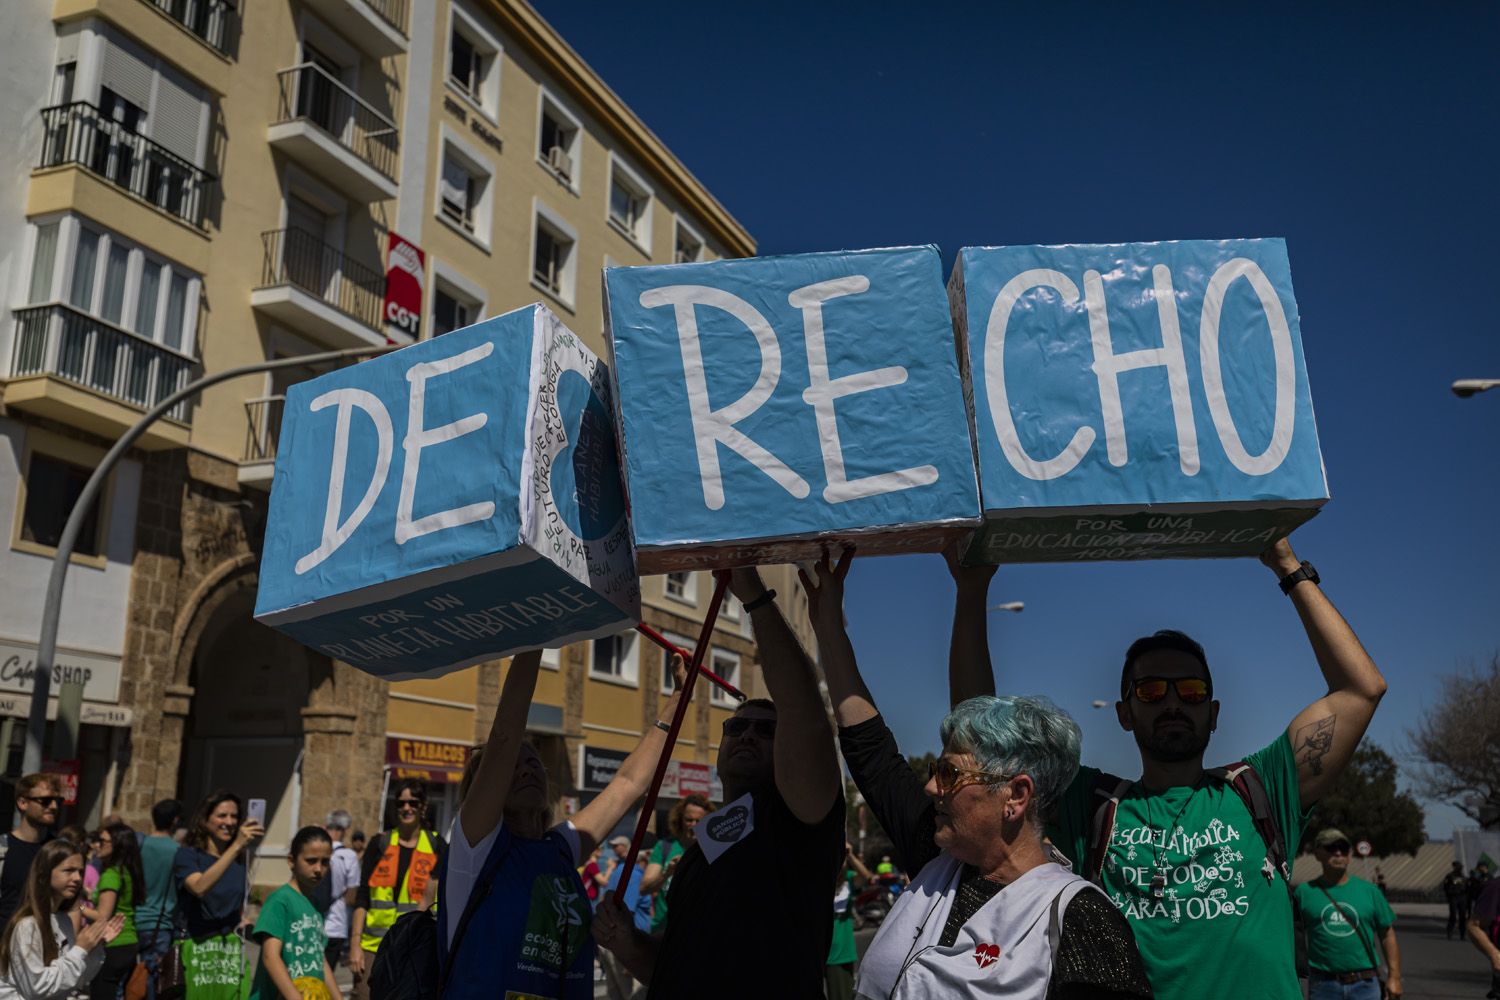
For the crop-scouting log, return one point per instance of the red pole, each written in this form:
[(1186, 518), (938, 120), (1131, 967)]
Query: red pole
[(672, 647), (721, 584)]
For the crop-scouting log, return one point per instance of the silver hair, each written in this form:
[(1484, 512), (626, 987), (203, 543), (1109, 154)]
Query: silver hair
[(339, 819)]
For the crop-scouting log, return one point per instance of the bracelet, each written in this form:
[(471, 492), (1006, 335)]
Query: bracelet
[(1296, 576), (761, 601), (665, 727)]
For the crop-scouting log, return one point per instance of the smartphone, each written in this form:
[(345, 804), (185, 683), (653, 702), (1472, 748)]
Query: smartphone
[(256, 809)]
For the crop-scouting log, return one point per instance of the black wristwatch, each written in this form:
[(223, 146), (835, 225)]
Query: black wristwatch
[(1296, 576)]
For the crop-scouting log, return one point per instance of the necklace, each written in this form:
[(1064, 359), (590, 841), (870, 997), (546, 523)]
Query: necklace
[(1159, 878)]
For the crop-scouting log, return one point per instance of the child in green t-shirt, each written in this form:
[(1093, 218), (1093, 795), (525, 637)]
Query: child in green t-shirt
[(290, 930)]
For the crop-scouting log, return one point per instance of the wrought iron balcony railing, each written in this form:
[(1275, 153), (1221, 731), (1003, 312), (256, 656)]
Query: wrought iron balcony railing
[(210, 20), (311, 93), (78, 134), (297, 257), (263, 427), (60, 341)]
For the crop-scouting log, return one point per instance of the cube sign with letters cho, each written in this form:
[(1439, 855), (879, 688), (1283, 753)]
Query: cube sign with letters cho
[(773, 405), (1133, 401), (451, 502)]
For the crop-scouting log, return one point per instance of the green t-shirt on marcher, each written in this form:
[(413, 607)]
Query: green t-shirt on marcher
[(118, 880), (291, 918), (842, 949), (662, 854), (1343, 938), (1221, 928)]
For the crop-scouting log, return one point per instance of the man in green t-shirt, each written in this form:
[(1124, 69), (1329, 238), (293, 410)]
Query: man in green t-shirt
[(1185, 862), (1344, 917)]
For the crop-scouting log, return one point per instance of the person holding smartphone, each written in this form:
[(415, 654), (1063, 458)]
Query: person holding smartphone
[(211, 877)]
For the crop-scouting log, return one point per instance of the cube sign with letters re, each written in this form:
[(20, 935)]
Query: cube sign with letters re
[(1134, 401), (451, 502), (773, 405)]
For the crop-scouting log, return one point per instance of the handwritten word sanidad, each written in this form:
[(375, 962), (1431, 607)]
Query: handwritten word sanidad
[(1140, 400), (451, 502)]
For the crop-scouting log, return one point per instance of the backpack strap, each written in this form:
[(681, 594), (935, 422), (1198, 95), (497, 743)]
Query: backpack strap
[(1108, 789), (477, 896), (1247, 784)]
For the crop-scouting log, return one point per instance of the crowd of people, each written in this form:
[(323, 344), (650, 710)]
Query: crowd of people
[(1031, 874)]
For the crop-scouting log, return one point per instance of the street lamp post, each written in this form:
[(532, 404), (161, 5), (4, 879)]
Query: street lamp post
[(1466, 387), (46, 651)]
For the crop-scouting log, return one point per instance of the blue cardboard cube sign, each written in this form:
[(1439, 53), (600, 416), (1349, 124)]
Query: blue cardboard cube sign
[(451, 502), (1143, 400), (771, 406)]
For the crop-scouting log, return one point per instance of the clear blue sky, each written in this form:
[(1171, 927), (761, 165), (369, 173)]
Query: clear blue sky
[(1366, 135)]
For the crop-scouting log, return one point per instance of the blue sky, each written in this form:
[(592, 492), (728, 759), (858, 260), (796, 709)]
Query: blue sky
[(1366, 135)]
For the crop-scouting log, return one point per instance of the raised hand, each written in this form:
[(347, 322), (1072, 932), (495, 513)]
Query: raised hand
[(825, 594)]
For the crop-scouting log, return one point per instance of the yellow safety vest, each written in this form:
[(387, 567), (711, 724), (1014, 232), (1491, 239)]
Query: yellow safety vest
[(386, 902)]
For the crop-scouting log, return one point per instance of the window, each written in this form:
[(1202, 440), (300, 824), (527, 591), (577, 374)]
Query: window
[(558, 146), (450, 313), (727, 666), (116, 281), (62, 82), (615, 658), (554, 261), (687, 246), (682, 587), (630, 204), (474, 61), (52, 488), (731, 609), (668, 679), (465, 189)]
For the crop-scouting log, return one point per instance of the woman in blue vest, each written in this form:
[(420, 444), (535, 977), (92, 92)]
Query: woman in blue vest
[(529, 931)]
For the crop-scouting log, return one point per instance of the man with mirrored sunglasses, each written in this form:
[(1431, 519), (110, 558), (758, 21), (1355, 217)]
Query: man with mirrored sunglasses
[(1183, 858), (749, 899), (38, 799)]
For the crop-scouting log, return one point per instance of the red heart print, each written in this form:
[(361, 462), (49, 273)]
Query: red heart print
[(986, 955)]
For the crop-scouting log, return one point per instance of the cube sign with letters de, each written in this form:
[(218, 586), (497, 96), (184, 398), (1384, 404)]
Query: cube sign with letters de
[(772, 405), (451, 502), (405, 271), (1133, 401)]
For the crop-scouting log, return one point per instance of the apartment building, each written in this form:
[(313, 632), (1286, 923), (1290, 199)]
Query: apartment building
[(195, 185)]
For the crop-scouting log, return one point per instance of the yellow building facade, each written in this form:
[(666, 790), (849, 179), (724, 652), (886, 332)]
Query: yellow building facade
[(197, 185)]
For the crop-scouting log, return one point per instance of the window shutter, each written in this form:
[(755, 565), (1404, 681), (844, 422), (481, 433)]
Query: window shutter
[(127, 72), (455, 184), (179, 115)]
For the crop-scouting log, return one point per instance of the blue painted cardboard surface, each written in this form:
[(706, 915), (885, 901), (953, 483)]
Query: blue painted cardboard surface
[(488, 455), (1136, 376), (775, 399)]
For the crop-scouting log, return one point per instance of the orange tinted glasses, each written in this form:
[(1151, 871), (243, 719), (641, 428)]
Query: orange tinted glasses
[(1190, 690)]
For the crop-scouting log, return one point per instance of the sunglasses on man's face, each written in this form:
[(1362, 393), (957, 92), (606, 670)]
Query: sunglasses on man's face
[(950, 777), (764, 728), (45, 801), (1190, 690), (1340, 847)]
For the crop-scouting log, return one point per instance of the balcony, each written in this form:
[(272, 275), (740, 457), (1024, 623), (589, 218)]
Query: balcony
[(376, 26), (210, 20), (78, 135), (262, 431), (316, 290), (84, 371), (333, 132)]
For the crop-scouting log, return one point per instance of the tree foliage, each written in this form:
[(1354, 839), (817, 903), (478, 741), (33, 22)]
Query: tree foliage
[(1365, 805), (1458, 740)]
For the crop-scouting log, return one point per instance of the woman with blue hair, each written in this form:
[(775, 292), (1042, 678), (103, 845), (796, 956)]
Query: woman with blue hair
[(990, 911)]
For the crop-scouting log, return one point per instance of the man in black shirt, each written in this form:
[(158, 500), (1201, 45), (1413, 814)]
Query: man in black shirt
[(37, 800), (750, 899)]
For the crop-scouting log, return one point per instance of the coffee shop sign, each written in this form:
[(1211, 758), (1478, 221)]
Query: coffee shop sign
[(100, 675)]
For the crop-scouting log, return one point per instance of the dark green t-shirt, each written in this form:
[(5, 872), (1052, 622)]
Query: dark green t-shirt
[(843, 950), (291, 918), (662, 854), (1343, 938), (118, 881), (1221, 928)]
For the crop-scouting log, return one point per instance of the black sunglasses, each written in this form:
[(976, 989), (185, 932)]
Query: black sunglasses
[(1338, 847), (764, 728), (44, 800)]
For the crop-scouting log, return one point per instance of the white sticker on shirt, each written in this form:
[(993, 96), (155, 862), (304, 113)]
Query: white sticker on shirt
[(719, 831)]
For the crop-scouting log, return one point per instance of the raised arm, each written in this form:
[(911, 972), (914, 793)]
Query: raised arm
[(595, 820), (199, 883), (1325, 733), (970, 672), (807, 767), (484, 806)]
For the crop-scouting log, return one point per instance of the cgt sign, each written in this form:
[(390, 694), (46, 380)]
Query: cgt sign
[(404, 270)]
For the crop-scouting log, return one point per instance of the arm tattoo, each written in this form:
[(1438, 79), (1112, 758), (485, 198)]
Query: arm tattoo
[(1313, 742)]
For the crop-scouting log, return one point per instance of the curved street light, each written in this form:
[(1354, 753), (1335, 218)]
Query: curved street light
[(1466, 387), (46, 648)]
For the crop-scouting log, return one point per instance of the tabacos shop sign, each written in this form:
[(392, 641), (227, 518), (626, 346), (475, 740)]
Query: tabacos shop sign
[(404, 270)]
